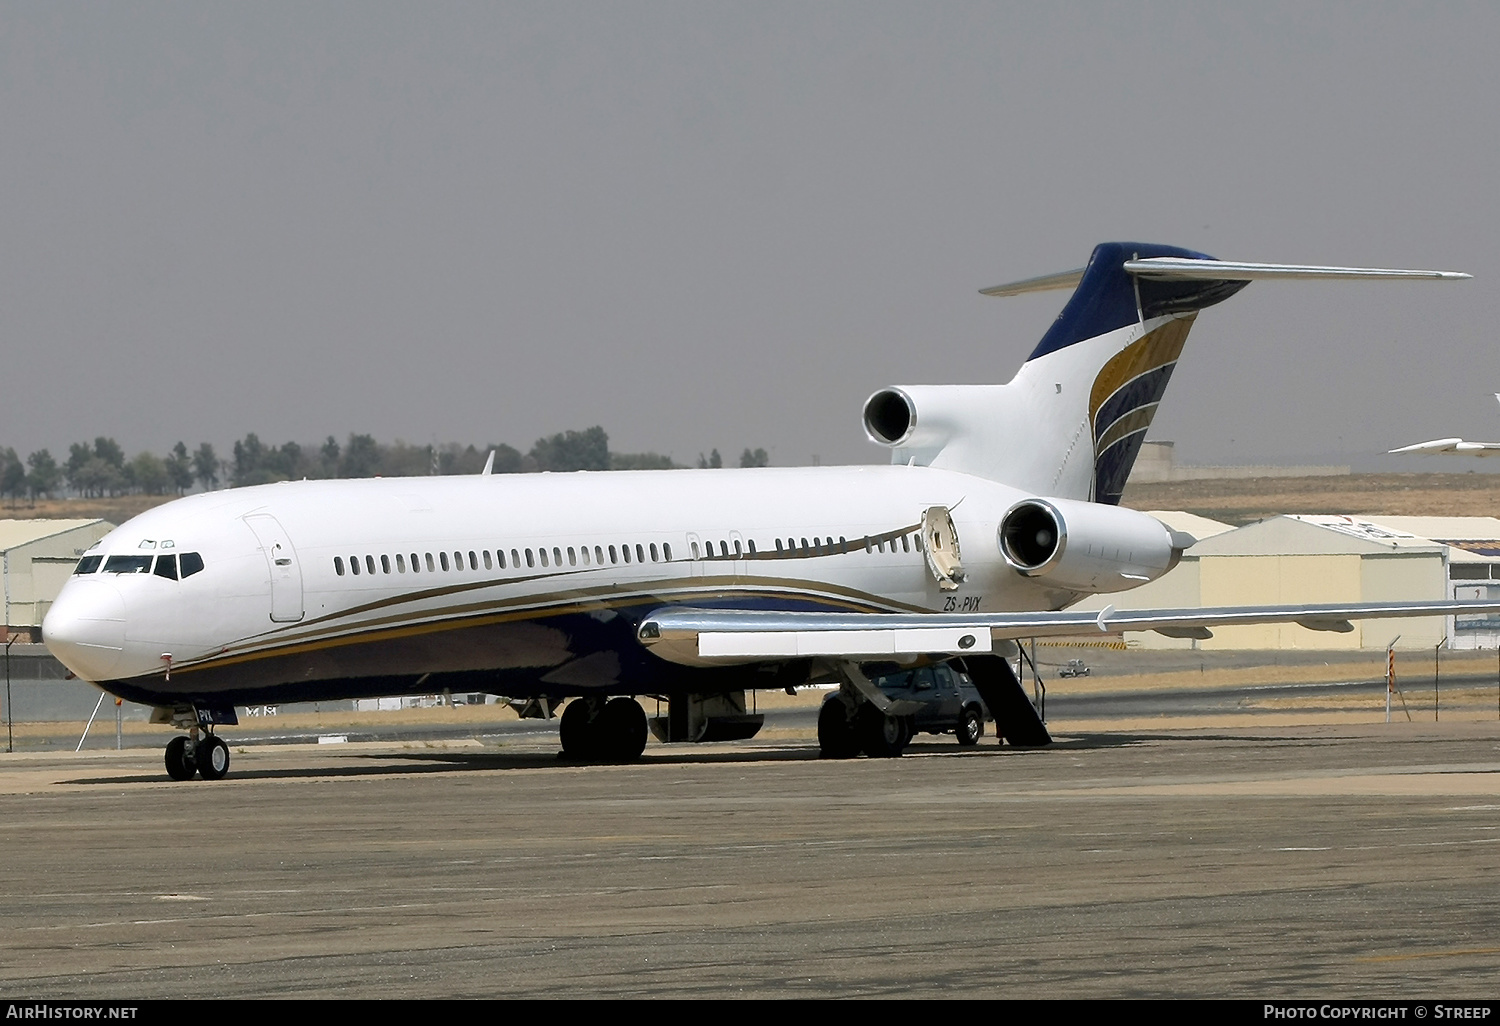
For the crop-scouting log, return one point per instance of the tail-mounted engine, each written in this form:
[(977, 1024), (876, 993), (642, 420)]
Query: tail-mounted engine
[(1086, 546)]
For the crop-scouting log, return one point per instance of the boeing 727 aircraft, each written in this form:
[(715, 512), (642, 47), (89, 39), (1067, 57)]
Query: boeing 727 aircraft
[(998, 511)]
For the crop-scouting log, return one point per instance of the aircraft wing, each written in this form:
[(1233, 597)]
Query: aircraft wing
[(1451, 446), (693, 636)]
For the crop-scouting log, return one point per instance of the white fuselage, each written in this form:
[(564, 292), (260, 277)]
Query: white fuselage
[(517, 584)]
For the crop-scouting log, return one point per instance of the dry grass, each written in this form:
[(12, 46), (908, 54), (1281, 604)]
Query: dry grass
[(1250, 499)]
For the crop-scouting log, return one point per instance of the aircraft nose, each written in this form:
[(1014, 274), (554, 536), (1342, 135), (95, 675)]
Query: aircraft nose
[(85, 628)]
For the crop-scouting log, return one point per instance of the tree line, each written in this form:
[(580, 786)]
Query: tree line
[(101, 469)]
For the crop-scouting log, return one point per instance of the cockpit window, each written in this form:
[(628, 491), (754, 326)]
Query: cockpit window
[(128, 565), (88, 564), (166, 566), (191, 562)]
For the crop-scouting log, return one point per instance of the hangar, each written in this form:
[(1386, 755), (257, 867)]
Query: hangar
[(36, 557), (1315, 558)]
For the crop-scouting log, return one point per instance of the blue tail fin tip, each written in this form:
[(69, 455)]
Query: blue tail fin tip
[(1105, 299)]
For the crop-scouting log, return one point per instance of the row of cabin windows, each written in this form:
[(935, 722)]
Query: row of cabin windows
[(582, 556), (574, 555), (819, 546)]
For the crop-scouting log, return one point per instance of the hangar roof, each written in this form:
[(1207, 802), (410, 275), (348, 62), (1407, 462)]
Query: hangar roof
[(15, 533), (1198, 527), (1467, 528), (1313, 535)]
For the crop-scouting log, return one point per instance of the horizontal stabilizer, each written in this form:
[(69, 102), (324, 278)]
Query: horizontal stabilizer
[(1193, 269), (1045, 283), (1184, 269)]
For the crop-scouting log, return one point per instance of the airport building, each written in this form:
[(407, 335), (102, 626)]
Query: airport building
[(36, 558), (1305, 559)]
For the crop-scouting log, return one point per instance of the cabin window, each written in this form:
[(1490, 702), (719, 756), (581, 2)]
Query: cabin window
[(354, 565), (625, 549), (370, 563), (474, 559), (416, 564), (598, 555), (751, 543), (515, 559), (905, 543), (556, 556), (613, 556), (583, 550), (543, 554), (653, 552), (385, 564), (458, 561), (778, 546), (400, 563), (530, 560), (572, 556), (736, 548), (338, 565), (666, 551), (804, 546), (487, 564), (88, 564), (640, 553), (189, 563), (695, 549), (443, 560), (868, 547), (166, 566), (500, 558), (843, 544)]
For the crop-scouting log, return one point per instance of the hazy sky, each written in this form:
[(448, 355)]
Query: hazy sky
[(705, 224)]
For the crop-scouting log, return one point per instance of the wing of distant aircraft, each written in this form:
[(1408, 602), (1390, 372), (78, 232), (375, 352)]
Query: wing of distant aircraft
[(1451, 446)]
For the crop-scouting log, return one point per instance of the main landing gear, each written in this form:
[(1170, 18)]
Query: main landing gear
[(845, 730), (205, 755), (593, 730)]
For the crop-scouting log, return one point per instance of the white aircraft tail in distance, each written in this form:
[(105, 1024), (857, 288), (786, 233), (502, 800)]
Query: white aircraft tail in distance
[(999, 510), (1451, 446)]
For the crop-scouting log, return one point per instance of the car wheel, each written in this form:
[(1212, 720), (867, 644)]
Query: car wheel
[(970, 726)]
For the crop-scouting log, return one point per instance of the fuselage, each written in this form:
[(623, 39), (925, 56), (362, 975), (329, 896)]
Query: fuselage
[(521, 585)]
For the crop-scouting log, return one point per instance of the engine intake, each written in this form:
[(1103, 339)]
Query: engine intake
[(890, 415), (1087, 546)]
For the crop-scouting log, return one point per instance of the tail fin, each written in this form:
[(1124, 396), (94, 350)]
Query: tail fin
[(1119, 336), (1071, 422)]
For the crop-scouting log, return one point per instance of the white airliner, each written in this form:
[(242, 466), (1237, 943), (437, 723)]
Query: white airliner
[(1452, 446), (999, 510)]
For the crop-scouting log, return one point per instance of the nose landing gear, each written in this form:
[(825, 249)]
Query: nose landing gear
[(207, 756), (200, 752)]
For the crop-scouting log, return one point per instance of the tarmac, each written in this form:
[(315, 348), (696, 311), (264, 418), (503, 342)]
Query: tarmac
[(1256, 859)]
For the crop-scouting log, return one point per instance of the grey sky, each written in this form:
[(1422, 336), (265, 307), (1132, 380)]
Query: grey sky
[(725, 225)]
